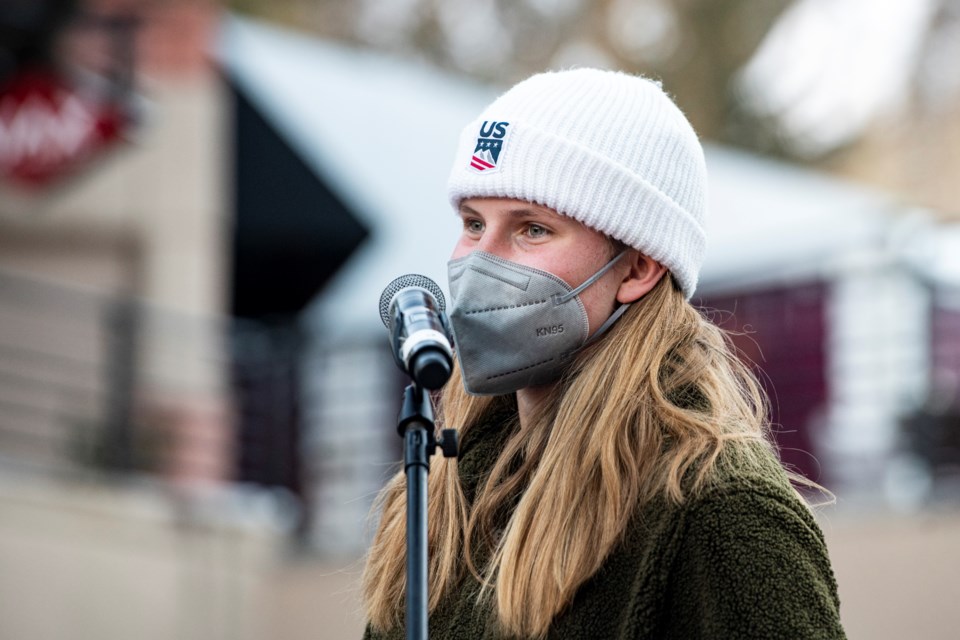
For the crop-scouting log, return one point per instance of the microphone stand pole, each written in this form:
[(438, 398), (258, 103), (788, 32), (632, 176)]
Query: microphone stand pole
[(416, 426)]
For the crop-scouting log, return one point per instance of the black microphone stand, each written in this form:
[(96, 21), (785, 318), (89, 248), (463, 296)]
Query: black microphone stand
[(415, 425)]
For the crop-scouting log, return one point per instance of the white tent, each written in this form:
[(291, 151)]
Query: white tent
[(773, 222)]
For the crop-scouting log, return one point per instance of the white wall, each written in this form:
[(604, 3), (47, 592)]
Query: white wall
[(878, 364), (351, 444)]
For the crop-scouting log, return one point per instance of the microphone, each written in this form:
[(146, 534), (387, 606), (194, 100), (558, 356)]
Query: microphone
[(412, 309)]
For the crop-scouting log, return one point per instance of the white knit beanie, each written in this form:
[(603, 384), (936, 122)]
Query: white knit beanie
[(605, 148)]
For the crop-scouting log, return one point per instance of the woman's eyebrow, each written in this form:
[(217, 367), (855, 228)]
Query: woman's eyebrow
[(518, 212), (537, 212), (466, 210), (525, 213)]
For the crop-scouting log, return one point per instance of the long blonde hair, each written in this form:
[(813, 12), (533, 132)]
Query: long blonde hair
[(642, 414)]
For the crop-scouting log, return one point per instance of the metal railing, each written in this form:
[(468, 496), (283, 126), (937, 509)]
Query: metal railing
[(105, 384)]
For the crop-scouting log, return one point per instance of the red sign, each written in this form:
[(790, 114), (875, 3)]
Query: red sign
[(48, 129)]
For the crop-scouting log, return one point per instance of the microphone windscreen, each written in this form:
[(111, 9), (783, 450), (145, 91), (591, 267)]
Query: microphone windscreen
[(405, 282)]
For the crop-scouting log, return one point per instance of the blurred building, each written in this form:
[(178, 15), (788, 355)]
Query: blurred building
[(114, 208), (119, 511), (159, 239)]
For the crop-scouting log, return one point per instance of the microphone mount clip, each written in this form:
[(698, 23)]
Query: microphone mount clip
[(417, 409)]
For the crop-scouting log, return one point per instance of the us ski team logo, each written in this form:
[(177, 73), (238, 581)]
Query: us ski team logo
[(486, 155)]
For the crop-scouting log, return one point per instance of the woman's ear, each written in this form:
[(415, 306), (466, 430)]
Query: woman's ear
[(642, 275)]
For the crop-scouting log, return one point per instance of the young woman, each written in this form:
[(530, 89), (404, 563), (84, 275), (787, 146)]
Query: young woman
[(616, 478)]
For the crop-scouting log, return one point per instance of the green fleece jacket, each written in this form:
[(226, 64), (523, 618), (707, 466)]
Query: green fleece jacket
[(743, 559)]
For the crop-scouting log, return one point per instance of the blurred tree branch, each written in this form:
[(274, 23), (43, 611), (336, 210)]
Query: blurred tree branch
[(694, 46)]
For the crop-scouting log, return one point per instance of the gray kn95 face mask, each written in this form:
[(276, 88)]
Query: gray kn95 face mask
[(515, 326)]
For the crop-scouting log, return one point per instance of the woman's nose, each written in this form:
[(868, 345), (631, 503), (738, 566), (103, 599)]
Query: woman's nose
[(491, 242), (486, 242)]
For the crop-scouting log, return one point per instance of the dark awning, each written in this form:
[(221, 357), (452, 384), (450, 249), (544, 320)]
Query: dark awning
[(291, 233)]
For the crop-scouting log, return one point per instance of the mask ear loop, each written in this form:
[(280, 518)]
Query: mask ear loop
[(589, 281), (608, 322)]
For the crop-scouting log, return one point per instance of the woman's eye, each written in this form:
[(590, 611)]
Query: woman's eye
[(473, 226), (536, 231)]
